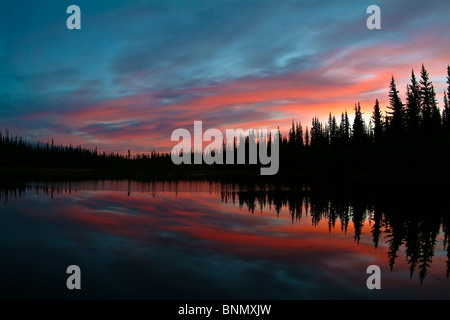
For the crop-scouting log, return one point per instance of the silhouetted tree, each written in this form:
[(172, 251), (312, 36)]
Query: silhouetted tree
[(413, 104), (397, 113), (299, 134), (430, 112), (317, 133), (378, 122), (358, 126), (292, 134), (333, 131), (344, 128)]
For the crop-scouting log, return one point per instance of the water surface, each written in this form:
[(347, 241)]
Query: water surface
[(209, 240)]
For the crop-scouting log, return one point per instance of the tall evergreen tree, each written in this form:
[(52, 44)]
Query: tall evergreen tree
[(347, 132), (332, 129), (317, 135), (378, 123), (292, 134), (446, 115), (397, 113), (359, 128), (299, 134), (344, 128), (430, 112), (413, 104)]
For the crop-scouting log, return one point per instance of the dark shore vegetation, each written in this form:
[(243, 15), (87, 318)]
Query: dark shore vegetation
[(409, 144)]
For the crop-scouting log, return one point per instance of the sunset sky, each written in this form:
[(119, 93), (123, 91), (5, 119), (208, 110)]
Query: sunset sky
[(137, 70)]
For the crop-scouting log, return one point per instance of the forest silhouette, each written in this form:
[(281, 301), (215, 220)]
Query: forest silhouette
[(409, 142)]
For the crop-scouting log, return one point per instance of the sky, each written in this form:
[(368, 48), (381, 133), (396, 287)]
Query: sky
[(138, 70)]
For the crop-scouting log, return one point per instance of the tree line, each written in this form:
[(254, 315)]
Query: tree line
[(418, 118), (409, 139), (15, 151)]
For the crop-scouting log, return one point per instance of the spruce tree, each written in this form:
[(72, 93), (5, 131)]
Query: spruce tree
[(428, 104), (299, 134), (358, 125), (397, 112), (344, 128), (332, 129), (347, 127), (413, 104), (378, 122), (316, 132), (292, 134)]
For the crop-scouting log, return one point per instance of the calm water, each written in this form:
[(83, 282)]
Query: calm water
[(204, 240)]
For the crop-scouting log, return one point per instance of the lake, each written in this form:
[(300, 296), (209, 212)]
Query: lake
[(212, 240)]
